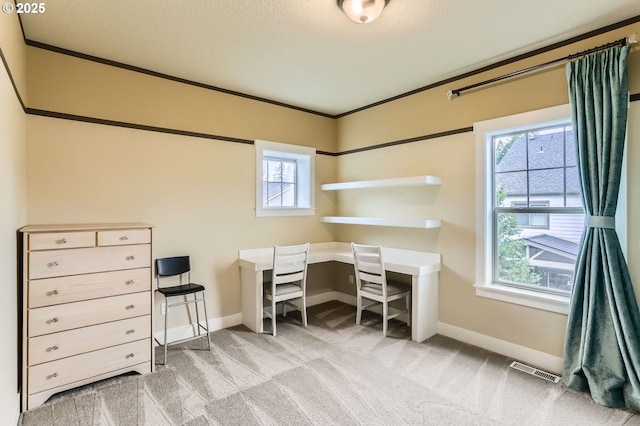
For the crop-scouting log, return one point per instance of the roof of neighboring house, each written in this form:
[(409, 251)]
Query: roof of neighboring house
[(545, 241), (545, 152)]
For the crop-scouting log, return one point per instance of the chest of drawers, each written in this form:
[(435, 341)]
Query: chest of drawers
[(86, 303)]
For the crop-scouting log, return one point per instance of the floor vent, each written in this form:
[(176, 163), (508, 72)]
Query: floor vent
[(535, 372)]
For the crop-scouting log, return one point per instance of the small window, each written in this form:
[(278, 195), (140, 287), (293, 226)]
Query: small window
[(284, 179)]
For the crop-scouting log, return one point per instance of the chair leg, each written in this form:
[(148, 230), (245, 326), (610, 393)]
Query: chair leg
[(358, 309), (385, 318), (206, 320), (195, 302), (304, 311), (409, 309), (166, 318), (273, 316)]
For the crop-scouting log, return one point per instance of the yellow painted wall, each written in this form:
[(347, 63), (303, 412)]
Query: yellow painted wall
[(13, 208), (70, 85), (453, 159), (199, 194)]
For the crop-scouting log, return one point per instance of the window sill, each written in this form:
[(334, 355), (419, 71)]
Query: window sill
[(293, 211), (533, 299)]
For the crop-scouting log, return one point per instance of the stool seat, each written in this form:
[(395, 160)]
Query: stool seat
[(181, 290)]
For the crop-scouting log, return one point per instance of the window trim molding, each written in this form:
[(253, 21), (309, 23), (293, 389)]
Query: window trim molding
[(289, 151), (484, 285)]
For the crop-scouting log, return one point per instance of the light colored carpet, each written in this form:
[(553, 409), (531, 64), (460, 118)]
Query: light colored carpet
[(331, 373)]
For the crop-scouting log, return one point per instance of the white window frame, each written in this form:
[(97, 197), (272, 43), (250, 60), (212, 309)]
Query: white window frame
[(305, 181), (485, 287)]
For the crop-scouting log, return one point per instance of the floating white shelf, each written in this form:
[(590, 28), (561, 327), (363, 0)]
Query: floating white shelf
[(403, 181), (403, 223)]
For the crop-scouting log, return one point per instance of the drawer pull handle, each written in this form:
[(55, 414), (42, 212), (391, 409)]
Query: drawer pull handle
[(130, 306), (52, 264), (53, 348), (130, 258), (124, 238), (131, 331), (130, 356), (52, 376), (130, 282), (53, 320), (62, 241), (52, 293)]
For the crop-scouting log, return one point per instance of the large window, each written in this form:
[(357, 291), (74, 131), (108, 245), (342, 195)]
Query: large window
[(530, 217), (284, 179)]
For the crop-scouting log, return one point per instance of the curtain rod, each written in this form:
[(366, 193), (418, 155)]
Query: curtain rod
[(633, 38)]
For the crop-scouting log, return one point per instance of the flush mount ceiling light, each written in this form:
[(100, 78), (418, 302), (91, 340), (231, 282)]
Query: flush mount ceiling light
[(362, 11)]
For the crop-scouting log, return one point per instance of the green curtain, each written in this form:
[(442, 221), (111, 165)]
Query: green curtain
[(602, 347)]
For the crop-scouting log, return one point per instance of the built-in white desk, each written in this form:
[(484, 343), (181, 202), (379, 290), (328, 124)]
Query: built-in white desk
[(423, 268)]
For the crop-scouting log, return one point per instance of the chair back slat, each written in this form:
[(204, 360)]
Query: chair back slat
[(376, 279), (290, 263), (288, 278)]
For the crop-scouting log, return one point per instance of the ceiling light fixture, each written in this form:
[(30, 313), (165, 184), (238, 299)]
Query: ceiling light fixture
[(362, 11)]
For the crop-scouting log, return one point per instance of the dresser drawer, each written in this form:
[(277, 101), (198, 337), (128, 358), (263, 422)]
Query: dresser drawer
[(57, 263), (124, 236), (52, 319), (62, 240), (50, 347), (68, 370), (53, 291)]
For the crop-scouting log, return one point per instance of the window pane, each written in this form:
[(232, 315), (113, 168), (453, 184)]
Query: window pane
[(546, 148), (288, 195), (511, 184), (274, 199), (535, 257), (570, 143), (574, 194), (549, 183), (538, 220), (288, 172), (274, 171), (510, 152)]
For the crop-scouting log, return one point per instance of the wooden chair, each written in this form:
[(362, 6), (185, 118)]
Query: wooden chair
[(372, 284), (288, 281), (180, 268)]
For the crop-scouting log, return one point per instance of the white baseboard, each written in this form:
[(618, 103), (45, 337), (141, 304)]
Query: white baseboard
[(328, 296), (542, 360), (187, 331)]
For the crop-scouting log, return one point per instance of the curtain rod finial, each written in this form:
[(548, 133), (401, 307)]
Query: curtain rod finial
[(453, 94), (633, 38)]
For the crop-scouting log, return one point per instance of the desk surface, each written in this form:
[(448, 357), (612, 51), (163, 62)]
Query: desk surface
[(409, 262)]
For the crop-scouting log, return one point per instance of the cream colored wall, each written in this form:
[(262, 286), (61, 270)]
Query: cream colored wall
[(453, 158), (14, 51), (12, 209), (66, 84), (199, 194)]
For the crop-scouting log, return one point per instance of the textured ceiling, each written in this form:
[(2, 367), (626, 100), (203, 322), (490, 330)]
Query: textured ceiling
[(307, 53)]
